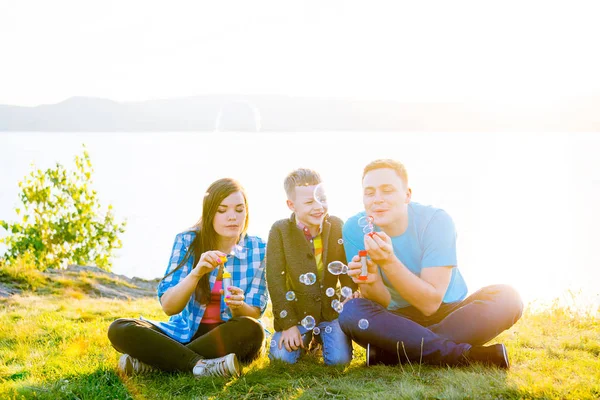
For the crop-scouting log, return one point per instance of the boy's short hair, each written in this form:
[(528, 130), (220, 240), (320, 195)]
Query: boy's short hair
[(300, 177), (397, 166)]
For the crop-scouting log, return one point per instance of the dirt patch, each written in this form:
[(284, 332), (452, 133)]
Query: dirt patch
[(94, 281), (7, 290)]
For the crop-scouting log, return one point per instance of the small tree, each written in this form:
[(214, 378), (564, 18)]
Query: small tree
[(61, 220)]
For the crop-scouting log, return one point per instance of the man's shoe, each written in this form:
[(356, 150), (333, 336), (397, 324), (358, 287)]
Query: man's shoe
[(495, 355), (377, 356), (370, 355), (223, 366), (130, 366)]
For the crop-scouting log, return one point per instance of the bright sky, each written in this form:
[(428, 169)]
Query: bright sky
[(508, 52)]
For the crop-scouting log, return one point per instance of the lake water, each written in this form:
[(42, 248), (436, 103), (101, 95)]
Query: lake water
[(525, 205)]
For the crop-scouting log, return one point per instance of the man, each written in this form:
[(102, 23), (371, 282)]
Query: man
[(414, 304)]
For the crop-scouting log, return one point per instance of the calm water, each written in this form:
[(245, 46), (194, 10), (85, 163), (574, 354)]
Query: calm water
[(525, 205)]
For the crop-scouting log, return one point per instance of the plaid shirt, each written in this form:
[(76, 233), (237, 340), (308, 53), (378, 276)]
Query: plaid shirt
[(309, 237), (247, 267), (315, 243)]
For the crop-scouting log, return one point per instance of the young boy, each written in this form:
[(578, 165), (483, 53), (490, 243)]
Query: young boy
[(302, 289)]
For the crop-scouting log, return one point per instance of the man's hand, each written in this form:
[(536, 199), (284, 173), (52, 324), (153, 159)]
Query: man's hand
[(291, 339), (208, 261), (380, 249), (354, 268)]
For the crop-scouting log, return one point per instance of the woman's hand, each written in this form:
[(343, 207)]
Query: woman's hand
[(208, 261), (234, 297)]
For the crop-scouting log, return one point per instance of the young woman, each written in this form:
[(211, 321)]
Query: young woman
[(210, 327)]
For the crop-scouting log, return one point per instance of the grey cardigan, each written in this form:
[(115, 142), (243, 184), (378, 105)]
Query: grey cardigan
[(290, 255)]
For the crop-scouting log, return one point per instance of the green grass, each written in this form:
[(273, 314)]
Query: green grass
[(55, 347)]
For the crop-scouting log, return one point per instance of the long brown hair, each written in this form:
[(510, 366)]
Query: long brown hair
[(206, 237)]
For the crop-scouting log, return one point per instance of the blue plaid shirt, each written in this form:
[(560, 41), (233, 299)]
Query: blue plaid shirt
[(247, 267)]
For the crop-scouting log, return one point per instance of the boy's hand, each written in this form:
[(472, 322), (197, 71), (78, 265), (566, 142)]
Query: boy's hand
[(291, 339), (380, 249), (355, 295), (208, 261), (354, 268)]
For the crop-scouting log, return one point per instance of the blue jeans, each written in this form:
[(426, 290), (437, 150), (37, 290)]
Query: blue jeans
[(337, 347), (442, 338)]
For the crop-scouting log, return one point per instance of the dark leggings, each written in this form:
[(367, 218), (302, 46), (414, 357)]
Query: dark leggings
[(142, 340)]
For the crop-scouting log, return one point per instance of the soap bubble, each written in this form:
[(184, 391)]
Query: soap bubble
[(273, 343), (308, 322), (316, 331), (308, 278), (363, 324), (346, 291), (336, 267), (290, 295), (283, 314), (319, 194), (345, 269), (328, 329), (340, 241), (330, 292), (282, 272), (337, 305), (366, 222)]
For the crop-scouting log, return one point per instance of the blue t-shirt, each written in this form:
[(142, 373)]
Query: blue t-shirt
[(429, 241)]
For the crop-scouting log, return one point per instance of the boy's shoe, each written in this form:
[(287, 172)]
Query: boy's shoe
[(130, 366), (223, 366), (495, 355), (315, 348)]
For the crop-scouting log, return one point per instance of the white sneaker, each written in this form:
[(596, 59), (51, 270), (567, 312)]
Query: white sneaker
[(129, 366), (223, 366)]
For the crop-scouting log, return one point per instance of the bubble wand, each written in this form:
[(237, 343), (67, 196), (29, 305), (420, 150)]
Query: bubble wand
[(366, 223)]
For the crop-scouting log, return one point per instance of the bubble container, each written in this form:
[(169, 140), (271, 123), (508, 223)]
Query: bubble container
[(226, 280), (363, 269)]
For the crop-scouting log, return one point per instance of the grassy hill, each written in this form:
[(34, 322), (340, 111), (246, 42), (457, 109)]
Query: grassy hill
[(53, 345)]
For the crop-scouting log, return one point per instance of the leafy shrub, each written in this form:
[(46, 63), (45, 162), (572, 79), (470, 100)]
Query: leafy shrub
[(62, 222)]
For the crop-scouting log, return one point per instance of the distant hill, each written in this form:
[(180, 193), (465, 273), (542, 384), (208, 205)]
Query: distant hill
[(285, 114)]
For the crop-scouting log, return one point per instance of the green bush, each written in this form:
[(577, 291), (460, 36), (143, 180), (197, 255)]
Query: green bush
[(61, 220)]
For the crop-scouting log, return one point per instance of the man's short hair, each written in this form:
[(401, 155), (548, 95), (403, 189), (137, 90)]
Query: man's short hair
[(398, 167), (300, 177)]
